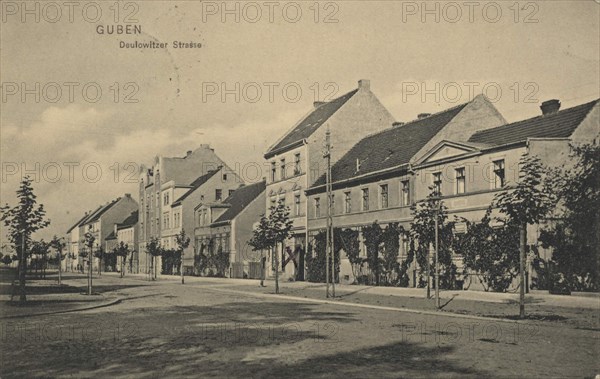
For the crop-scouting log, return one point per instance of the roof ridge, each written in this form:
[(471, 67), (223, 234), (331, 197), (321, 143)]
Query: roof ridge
[(539, 117), (411, 122)]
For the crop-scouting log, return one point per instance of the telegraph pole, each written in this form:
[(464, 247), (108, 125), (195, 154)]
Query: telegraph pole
[(329, 236), (437, 261)]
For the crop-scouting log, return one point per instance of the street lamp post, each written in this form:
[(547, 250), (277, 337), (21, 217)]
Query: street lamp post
[(437, 261)]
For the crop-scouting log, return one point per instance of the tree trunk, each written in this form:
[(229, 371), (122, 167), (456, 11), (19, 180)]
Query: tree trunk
[(522, 243), (277, 268), (59, 266), (90, 275), (22, 273)]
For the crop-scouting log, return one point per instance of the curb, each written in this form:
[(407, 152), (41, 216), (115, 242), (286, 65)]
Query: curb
[(85, 308), (379, 307)]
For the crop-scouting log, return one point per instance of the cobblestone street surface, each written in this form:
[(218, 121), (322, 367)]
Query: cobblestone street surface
[(228, 328)]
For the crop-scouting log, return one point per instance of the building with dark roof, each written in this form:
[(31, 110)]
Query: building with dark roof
[(100, 223), (178, 203), (165, 181), (384, 174), (228, 226), (296, 161)]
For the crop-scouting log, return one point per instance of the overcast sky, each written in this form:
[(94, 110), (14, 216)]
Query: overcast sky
[(530, 53)]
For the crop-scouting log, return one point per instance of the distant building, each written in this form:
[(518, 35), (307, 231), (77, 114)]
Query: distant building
[(127, 233), (228, 226), (168, 179), (101, 223), (296, 159)]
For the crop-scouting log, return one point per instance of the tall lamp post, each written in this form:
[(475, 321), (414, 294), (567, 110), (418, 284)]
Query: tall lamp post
[(329, 233), (438, 204)]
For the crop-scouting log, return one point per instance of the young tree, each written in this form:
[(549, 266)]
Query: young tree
[(183, 242), (59, 245), (422, 231), (122, 250), (372, 235), (89, 240), (527, 202), (491, 253), (21, 222), (575, 239), (39, 255), (271, 232), (155, 250), (99, 253)]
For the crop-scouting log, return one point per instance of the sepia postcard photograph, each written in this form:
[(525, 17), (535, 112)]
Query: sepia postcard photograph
[(299, 189)]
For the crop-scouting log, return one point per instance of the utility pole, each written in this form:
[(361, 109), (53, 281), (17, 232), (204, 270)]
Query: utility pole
[(90, 271), (437, 261), (329, 231)]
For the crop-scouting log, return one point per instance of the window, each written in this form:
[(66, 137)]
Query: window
[(282, 167), (231, 192), (297, 205), (383, 189), (317, 207), (166, 220), (437, 183), (405, 193), (405, 245), (273, 171), (460, 180), (347, 202), (365, 199), (166, 198), (297, 164), (176, 220), (499, 174), (224, 177), (218, 194)]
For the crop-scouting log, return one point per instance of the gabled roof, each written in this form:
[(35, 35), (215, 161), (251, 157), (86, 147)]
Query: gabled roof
[(557, 125), (310, 123), (239, 199), (199, 181), (131, 220), (78, 223), (102, 210), (390, 148)]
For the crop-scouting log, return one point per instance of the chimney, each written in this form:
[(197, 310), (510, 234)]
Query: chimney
[(397, 123), (188, 153), (550, 106), (317, 104), (127, 195), (364, 84), (423, 115)]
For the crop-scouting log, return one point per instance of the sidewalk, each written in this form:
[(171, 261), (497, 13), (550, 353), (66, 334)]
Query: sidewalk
[(45, 296), (584, 300)]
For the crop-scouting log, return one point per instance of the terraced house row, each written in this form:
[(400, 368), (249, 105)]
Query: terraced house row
[(380, 168)]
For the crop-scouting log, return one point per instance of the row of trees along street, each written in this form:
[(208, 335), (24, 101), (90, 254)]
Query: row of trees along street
[(494, 248)]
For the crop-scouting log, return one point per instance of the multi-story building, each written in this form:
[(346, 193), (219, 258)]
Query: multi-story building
[(375, 180), (101, 222), (296, 159), (164, 182), (71, 260), (466, 169), (127, 232), (212, 187), (228, 226)]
